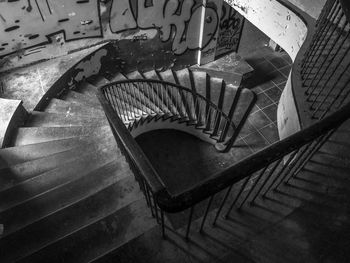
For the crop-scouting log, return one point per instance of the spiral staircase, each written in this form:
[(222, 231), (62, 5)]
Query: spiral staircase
[(65, 182), (75, 186)]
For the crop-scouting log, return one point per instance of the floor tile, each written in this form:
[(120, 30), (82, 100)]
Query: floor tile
[(285, 71), (256, 141), (259, 119), (270, 132), (267, 85), (263, 100), (277, 77), (274, 94), (271, 112), (278, 62)]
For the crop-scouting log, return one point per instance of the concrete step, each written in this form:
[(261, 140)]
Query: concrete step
[(167, 75), (43, 119), (98, 81), (60, 204), (19, 173), (152, 74), (71, 108), (18, 154), (47, 181), (184, 78), (118, 77), (32, 135), (90, 101), (118, 227), (87, 89)]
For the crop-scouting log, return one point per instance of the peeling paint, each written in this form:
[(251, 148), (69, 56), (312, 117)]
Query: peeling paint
[(90, 67)]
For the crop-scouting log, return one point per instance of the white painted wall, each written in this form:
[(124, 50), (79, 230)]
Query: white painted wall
[(289, 31)]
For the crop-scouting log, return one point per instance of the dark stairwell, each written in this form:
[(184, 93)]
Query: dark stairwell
[(68, 189)]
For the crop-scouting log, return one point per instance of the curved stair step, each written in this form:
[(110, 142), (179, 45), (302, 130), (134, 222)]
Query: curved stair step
[(18, 154), (32, 135), (62, 106), (100, 237), (19, 173), (100, 185), (98, 81), (49, 180), (43, 119), (72, 96), (86, 89)]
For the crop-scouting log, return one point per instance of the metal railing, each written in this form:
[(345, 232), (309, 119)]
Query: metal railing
[(274, 165), (325, 69), (135, 101)]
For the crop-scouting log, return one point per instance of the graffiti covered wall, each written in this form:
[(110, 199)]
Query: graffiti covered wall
[(32, 30), (230, 29)]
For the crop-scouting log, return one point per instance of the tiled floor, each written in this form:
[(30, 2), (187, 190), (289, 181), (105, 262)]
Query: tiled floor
[(268, 81)]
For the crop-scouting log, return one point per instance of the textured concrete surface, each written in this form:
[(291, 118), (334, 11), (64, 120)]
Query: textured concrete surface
[(30, 83)]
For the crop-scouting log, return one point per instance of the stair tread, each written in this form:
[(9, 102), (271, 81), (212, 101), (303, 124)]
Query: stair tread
[(17, 154), (32, 135), (15, 174), (167, 76), (183, 77), (82, 98), (44, 119), (62, 106), (152, 74), (87, 89), (41, 183), (110, 180), (104, 235), (118, 77), (98, 81)]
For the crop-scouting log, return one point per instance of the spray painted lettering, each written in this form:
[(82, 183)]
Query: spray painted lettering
[(175, 20), (28, 23), (231, 24)]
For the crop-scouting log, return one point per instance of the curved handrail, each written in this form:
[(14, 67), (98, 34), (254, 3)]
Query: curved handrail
[(126, 141), (250, 164), (292, 153), (201, 111)]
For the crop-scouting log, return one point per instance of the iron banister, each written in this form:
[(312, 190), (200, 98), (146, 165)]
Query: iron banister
[(133, 149), (223, 146), (249, 165)]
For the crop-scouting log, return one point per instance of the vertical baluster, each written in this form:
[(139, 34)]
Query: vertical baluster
[(189, 223), (222, 204), (321, 38), (237, 196), (206, 213), (336, 98), (328, 10), (253, 187), (277, 163), (162, 223), (321, 51), (326, 64), (282, 171), (330, 89)]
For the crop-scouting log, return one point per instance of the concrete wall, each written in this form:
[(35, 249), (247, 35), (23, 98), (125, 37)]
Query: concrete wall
[(43, 29), (289, 31)]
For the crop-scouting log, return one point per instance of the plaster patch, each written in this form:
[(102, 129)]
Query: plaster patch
[(90, 67)]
